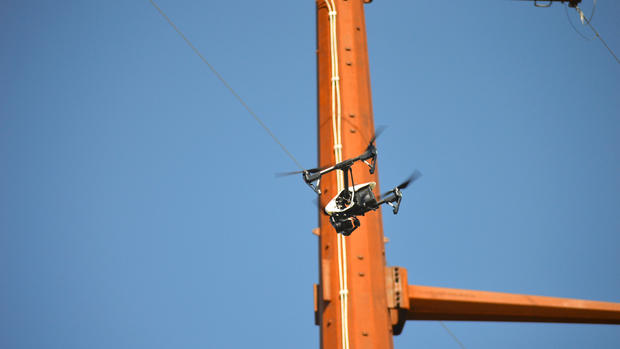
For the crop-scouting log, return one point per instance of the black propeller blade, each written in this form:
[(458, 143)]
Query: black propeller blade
[(312, 170), (283, 174), (378, 132), (414, 176)]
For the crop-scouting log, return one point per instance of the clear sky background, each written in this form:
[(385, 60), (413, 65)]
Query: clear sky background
[(139, 207)]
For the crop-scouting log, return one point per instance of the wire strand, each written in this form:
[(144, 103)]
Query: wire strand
[(597, 34), (221, 78), (452, 334), (573, 26)]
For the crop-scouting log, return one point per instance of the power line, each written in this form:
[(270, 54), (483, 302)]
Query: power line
[(587, 21), (603, 41), (452, 334), (243, 103), (573, 26)]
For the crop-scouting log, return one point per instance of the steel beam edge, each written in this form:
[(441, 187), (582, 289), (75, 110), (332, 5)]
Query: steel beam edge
[(438, 303)]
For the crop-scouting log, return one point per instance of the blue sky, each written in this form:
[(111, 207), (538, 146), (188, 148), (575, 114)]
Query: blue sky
[(139, 207)]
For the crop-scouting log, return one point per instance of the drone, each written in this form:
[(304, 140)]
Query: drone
[(355, 199)]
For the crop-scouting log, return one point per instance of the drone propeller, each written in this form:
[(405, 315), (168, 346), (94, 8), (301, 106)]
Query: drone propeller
[(312, 170), (394, 196), (378, 132), (414, 176), (284, 174)]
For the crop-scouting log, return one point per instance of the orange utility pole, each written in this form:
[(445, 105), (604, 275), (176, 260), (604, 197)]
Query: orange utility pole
[(359, 301), (351, 300)]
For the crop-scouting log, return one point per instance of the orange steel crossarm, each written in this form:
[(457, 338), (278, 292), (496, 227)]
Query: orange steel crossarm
[(438, 303)]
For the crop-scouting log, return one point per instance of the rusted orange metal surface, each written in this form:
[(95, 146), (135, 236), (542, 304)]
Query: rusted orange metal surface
[(438, 303), (379, 297), (369, 323)]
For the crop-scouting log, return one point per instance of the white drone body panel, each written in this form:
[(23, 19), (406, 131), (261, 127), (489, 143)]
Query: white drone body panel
[(332, 208)]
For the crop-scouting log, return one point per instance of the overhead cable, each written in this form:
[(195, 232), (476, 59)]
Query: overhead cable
[(243, 103), (584, 19), (573, 26), (452, 334)]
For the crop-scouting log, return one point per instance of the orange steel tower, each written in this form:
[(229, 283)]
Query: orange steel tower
[(351, 299), (359, 301)]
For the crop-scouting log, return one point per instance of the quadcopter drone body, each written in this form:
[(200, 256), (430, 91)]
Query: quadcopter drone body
[(344, 217), (354, 200)]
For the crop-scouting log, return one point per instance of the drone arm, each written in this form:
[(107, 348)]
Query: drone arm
[(311, 177), (396, 205), (370, 153), (392, 198), (372, 164)]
